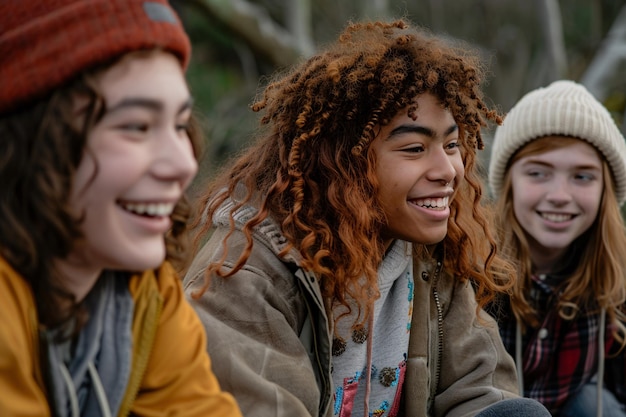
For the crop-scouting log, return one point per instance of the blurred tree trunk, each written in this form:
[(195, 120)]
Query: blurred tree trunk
[(555, 66), (254, 26), (376, 9), (522, 42), (607, 70), (437, 14), (298, 18)]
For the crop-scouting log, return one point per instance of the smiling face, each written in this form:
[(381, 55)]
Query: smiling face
[(419, 165), (139, 160), (556, 196)]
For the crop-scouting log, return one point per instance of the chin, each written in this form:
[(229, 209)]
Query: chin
[(435, 238), (146, 261), (153, 263), (427, 237), (432, 242)]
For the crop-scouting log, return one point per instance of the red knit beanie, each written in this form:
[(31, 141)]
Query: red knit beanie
[(45, 43)]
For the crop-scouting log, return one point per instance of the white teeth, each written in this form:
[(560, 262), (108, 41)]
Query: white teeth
[(150, 209), (556, 217), (440, 202)]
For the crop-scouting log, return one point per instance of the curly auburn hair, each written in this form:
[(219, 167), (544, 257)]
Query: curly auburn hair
[(42, 145), (313, 170), (597, 258)]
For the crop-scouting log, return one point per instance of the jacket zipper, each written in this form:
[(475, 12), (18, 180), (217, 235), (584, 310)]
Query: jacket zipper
[(143, 356), (433, 387), (325, 388)]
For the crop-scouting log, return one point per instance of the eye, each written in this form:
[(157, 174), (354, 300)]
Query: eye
[(182, 127), (584, 176), (414, 149), (453, 145), (183, 122), (135, 127), (535, 173)]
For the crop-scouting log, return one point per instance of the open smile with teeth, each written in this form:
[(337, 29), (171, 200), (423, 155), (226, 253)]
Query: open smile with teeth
[(148, 209), (557, 217), (438, 203)]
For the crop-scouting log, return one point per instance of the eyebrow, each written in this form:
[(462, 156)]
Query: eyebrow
[(421, 130), (147, 103), (531, 161)]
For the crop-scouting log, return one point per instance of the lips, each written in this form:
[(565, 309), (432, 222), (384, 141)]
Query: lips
[(148, 209), (432, 203)]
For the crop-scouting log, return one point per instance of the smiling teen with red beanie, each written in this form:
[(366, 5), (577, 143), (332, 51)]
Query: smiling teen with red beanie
[(97, 145)]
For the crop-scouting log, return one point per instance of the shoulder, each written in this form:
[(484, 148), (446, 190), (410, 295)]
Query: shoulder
[(20, 374), (10, 280), (458, 299), (159, 298), (263, 260), (178, 370), (160, 282), (17, 295)]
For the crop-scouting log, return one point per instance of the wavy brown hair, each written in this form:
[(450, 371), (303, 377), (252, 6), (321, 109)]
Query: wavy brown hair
[(313, 171), (598, 256), (41, 147)]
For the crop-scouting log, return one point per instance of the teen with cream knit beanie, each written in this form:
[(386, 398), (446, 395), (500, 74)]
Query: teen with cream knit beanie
[(563, 108), (558, 174)]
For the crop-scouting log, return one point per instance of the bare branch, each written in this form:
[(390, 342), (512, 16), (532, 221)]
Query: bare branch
[(376, 9), (299, 20), (606, 70), (552, 30), (253, 25)]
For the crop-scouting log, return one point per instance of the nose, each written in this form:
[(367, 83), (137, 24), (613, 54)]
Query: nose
[(176, 160), (442, 168), (558, 192)]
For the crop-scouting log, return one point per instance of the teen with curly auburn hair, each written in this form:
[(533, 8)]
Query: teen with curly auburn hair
[(558, 171), (346, 242), (97, 146)]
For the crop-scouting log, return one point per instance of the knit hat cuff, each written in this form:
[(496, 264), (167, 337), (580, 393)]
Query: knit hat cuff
[(46, 50)]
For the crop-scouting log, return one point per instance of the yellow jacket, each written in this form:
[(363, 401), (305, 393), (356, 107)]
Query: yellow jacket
[(171, 372)]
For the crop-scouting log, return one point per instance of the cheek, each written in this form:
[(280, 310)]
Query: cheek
[(385, 177), (85, 174), (523, 191), (192, 172), (523, 199), (592, 201), (459, 167)]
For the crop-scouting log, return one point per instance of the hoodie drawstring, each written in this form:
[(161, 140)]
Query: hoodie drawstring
[(601, 335), (71, 390), (97, 384), (518, 357), (368, 372)]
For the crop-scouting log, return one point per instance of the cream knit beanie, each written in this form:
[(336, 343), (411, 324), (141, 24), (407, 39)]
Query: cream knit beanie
[(563, 108)]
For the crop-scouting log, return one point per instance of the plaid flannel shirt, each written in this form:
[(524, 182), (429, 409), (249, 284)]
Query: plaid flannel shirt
[(561, 356)]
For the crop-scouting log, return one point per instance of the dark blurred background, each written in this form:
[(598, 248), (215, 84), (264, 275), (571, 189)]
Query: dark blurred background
[(526, 44)]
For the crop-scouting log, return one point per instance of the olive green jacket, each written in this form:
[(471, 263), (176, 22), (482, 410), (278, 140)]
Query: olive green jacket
[(274, 346)]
